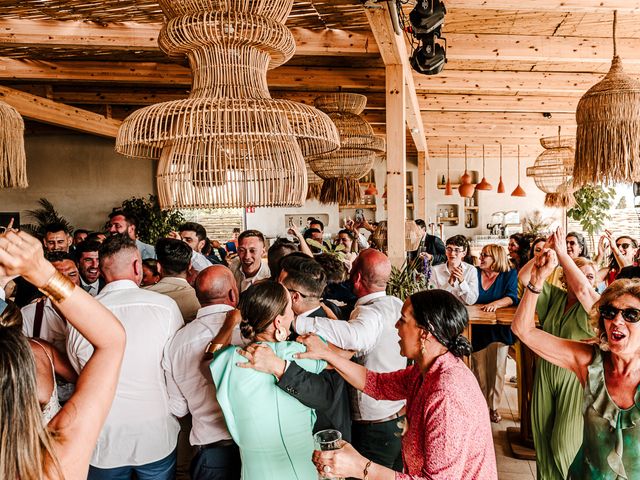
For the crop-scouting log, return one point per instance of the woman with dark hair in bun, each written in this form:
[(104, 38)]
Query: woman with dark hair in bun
[(448, 433)]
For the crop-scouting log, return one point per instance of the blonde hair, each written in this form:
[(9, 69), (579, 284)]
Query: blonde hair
[(26, 446), (624, 286), (500, 259)]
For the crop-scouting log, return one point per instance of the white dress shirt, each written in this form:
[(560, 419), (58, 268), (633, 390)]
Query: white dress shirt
[(191, 387), (199, 262), (371, 332), (53, 328), (140, 428), (242, 280), (466, 291), (90, 288)]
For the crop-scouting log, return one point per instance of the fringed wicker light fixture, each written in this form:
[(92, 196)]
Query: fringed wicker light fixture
[(608, 135), (229, 144), (314, 184), (359, 148), (13, 161), (553, 168)]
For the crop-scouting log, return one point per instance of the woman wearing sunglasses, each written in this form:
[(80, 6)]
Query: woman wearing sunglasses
[(608, 372), (623, 254)]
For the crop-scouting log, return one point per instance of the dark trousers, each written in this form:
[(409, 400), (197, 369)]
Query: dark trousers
[(163, 469), (216, 463), (379, 442)]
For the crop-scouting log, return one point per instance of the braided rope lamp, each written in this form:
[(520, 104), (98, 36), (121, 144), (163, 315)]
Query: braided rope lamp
[(359, 148), (13, 161), (229, 144)]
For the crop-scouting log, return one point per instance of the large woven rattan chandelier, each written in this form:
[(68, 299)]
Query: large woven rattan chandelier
[(553, 168), (359, 148), (229, 144), (13, 161)]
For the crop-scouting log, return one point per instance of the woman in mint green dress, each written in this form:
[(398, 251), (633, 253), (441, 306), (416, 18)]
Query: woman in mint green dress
[(271, 427), (609, 374)]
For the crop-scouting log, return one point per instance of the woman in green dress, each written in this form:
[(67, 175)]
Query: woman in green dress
[(608, 373), (556, 406), (271, 427)]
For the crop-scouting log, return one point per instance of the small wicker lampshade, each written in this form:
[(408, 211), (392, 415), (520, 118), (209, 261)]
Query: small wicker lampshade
[(314, 184), (359, 148), (554, 165), (562, 198), (13, 161), (229, 144), (608, 134)]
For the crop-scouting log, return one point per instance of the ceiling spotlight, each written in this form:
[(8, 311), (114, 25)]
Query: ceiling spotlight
[(427, 16), (427, 20)]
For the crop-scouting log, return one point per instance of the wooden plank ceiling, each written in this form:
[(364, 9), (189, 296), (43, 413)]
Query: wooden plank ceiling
[(516, 68)]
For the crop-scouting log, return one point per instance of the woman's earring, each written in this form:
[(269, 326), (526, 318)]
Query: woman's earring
[(423, 349), (281, 334), (604, 342)]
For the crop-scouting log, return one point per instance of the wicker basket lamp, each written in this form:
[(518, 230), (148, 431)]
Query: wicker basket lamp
[(13, 161), (229, 144), (314, 184), (553, 168), (608, 134), (359, 148)]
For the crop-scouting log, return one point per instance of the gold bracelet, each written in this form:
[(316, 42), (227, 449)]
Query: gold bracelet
[(212, 348), (58, 288), (366, 471)]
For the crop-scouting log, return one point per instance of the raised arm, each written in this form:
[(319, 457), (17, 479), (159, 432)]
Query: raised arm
[(568, 354), (304, 246), (79, 422)]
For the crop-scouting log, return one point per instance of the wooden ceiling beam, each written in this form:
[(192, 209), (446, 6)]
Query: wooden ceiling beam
[(86, 36), (48, 111), (498, 103), (585, 6)]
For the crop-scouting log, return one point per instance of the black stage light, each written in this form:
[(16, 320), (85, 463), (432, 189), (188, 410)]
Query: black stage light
[(427, 16), (429, 57)]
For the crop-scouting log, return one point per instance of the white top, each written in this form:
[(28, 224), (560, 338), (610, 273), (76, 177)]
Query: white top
[(52, 407), (189, 385), (90, 288), (140, 428), (466, 291), (53, 328), (371, 332), (242, 280), (199, 262)]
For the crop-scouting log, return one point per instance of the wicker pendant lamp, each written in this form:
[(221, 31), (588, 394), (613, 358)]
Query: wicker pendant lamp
[(608, 134), (359, 148), (447, 189), (483, 185), (500, 183), (229, 144), (553, 168), (518, 191), (13, 161), (314, 184), (466, 188)]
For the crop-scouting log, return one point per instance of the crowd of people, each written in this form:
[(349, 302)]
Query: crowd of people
[(190, 359)]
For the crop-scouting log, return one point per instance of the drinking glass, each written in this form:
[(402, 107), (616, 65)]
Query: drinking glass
[(327, 440)]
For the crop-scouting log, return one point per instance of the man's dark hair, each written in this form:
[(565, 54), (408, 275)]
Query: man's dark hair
[(58, 256), (94, 237), (420, 223), (251, 233), (458, 241), (87, 246), (310, 231), (348, 233), (55, 227), (201, 232), (128, 216), (278, 250), (306, 276), (114, 244), (173, 256), (334, 269), (315, 221), (79, 231)]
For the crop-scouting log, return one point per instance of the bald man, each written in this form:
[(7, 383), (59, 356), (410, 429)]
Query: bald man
[(189, 384), (371, 332), (140, 434)]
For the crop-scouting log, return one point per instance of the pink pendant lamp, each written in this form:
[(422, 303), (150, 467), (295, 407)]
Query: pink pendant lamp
[(447, 189), (483, 185), (519, 191), (466, 188)]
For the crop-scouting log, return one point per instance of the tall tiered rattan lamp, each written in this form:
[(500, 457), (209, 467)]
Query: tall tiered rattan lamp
[(229, 144), (359, 148), (13, 161)]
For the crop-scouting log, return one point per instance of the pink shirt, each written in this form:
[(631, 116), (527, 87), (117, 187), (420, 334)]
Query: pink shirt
[(449, 434)]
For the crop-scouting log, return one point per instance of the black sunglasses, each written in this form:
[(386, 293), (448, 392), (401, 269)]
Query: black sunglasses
[(609, 312), (624, 246)]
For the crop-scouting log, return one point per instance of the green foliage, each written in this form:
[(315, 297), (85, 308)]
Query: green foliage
[(406, 281), (335, 250), (592, 207), (44, 215), (153, 222), (535, 225)]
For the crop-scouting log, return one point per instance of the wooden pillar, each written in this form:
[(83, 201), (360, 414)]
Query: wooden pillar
[(396, 162), (421, 199)]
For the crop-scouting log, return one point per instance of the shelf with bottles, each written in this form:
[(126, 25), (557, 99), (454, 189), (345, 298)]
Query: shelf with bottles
[(455, 175), (471, 211), (448, 213)]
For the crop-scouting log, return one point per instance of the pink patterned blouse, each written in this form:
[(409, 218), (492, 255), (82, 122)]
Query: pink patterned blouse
[(449, 434)]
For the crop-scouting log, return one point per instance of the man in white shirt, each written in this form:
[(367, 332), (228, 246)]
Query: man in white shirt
[(140, 433), (190, 387), (248, 267), (89, 267), (456, 276), (371, 332)]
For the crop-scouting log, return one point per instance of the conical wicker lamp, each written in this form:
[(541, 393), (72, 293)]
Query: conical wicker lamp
[(483, 185), (501, 188), (229, 144), (13, 161), (447, 189), (518, 191), (466, 188), (608, 134), (359, 148)]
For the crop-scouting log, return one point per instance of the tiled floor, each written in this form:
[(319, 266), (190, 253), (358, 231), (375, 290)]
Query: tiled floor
[(510, 468)]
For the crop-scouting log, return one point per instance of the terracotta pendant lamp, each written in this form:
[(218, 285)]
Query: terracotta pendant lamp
[(447, 189), (371, 189), (501, 183), (483, 185), (466, 188), (519, 191)]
